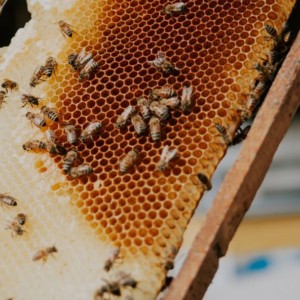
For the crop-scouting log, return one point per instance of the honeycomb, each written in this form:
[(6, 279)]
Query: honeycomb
[(213, 44)]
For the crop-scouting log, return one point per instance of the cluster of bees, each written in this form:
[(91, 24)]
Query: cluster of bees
[(16, 225), (154, 110), (266, 72)]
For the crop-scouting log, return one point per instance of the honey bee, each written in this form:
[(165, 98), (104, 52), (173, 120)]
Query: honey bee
[(281, 39), (166, 157), (253, 100), (204, 181), (50, 113), (163, 65), (90, 67), (172, 102), (111, 259), (79, 60), (89, 131), (9, 84), (44, 253), (240, 135), (125, 280), (174, 9), (266, 72), (71, 133), (110, 287), (160, 110), (8, 200), (29, 99), (143, 105), (138, 123), (50, 66), (34, 145), (69, 160), (125, 116), (65, 28), (224, 133), (82, 170), (129, 161), (186, 98), (54, 148), (164, 92), (36, 78), (15, 227), (155, 129), (21, 218), (2, 97), (50, 136), (36, 119)]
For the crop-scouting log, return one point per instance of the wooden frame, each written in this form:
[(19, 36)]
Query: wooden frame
[(242, 182)]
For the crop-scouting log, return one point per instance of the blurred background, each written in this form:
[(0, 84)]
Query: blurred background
[(263, 261)]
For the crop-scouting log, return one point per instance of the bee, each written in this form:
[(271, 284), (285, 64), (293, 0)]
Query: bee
[(50, 113), (138, 123), (266, 72), (36, 78), (90, 67), (9, 84), (34, 145), (186, 99), (281, 39), (54, 148), (110, 287), (174, 9), (224, 133), (36, 119), (69, 160), (50, 66), (125, 116), (8, 200), (125, 280), (44, 253), (204, 181), (129, 161), (89, 131), (71, 133), (164, 92), (165, 158), (15, 227), (82, 170), (253, 100), (172, 102), (160, 110), (240, 135), (2, 97), (65, 28), (21, 218), (111, 259), (79, 60), (143, 105), (162, 64), (29, 99), (155, 129), (50, 136)]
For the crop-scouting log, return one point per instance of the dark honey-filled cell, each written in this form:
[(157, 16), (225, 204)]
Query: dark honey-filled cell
[(214, 46)]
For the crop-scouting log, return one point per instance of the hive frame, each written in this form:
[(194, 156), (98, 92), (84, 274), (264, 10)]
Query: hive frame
[(242, 182)]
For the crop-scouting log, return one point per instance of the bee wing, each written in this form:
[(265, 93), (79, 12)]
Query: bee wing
[(164, 153), (172, 154)]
